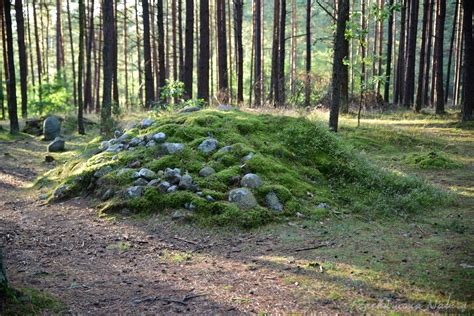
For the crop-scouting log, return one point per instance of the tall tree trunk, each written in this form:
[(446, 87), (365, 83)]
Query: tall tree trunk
[(426, 80), (338, 62), (80, 68), (108, 29), (228, 16), (204, 51), (11, 80), (257, 61), (115, 86), (451, 45), (388, 68), (88, 105), (222, 51), (421, 68), (139, 55), (307, 94), (281, 60), (99, 65), (239, 58), (174, 39), (23, 60), (4, 65), (161, 46), (457, 64), (398, 93), (409, 80), (468, 100), (30, 45), (293, 48), (149, 90), (440, 20), (189, 50), (38, 51), (125, 51), (59, 40), (180, 41), (275, 55)]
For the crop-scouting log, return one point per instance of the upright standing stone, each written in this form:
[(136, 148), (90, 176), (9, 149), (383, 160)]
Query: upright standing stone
[(51, 128)]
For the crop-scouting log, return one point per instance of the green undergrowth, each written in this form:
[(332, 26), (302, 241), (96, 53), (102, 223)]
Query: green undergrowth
[(28, 301), (430, 160), (299, 160)]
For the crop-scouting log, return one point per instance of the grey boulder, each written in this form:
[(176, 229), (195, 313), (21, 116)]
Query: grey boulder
[(140, 182), (173, 176), (206, 172), (114, 148), (225, 149), (103, 171), (251, 180), (146, 123), (51, 128), (135, 191), (159, 137), (146, 174), (56, 145), (243, 197), (186, 182), (273, 202), (171, 148), (209, 145), (164, 186)]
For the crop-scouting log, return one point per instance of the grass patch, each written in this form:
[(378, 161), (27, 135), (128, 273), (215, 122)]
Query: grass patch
[(29, 301), (430, 160)]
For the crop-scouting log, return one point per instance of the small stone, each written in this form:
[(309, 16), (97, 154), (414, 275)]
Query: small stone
[(322, 205), (51, 128), (146, 174), (199, 193), (48, 158), (190, 109), (118, 133), (225, 149), (135, 141), (181, 215), (140, 182), (56, 145), (235, 180), (173, 176), (61, 192), (146, 123), (154, 183), (251, 180), (124, 138), (134, 164), (248, 157), (135, 191), (209, 145), (104, 145), (103, 171), (122, 171), (159, 137), (210, 198), (164, 186), (273, 202), (243, 198), (171, 148), (114, 148), (151, 143), (185, 182), (206, 172), (43, 196), (226, 107), (172, 188), (107, 195)]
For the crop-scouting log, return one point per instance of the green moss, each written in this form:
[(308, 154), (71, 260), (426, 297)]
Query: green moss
[(29, 301), (431, 160), (299, 160)]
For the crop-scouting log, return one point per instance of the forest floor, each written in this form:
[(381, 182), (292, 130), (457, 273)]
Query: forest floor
[(67, 259)]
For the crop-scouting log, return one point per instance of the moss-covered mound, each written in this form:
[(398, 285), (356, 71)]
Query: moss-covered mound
[(296, 166), (430, 160)]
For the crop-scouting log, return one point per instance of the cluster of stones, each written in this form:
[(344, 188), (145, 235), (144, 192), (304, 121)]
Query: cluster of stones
[(172, 179)]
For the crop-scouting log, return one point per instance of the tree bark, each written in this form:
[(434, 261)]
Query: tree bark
[(451, 46), (80, 69), (281, 60), (11, 80), (189, 50), (338, 58), (149, 90), (204, 51), (125, 51), (388, 68), (275, 56), (115, 86), (23, 60), (239, 58), (426, 80), (88, 104), (59, 40), (440, 20), (409, 78), (257, 61), (308, 55), (398, 93), (468, 102), (422, 69), (108, 31), (38, 50), (139, 56), (161, 46), (223, 82)]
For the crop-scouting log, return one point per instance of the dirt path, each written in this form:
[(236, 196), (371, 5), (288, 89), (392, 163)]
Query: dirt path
[(101, 266)]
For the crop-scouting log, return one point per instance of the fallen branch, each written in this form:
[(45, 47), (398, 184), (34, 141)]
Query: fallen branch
[(168, 299), (311, 248), (185, 240)]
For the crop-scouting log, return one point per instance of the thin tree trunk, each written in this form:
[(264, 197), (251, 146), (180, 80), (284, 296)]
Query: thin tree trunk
[(30, 45), (23, 60), (308, 55), (189, 50), (115, 58), (204, 51), (108, 29), (468, 102), (4, 66), (99, 63), (59, 40), (258, 53), (426, 80), (38, 51), (440, 20), (281, 62), (409, 79), (80, 68), (180, 41), (239, 58), (275, 55), (149, 90), (339, 55), (125, 51), (422, 69), (139, 56), (229, 36), (222, 51), (11, 81), (453, 34), (161, 46), (88, 104), (398, 93), (293, 48), (174, 39), (388, 68)]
